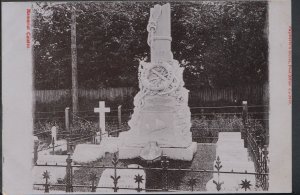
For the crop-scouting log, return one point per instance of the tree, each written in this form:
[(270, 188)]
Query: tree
[(220, 44)]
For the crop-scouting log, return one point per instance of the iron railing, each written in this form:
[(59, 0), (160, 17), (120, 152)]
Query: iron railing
[(164, 169)]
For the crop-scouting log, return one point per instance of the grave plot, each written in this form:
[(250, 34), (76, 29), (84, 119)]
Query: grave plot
[(234, 157), (52, 157)]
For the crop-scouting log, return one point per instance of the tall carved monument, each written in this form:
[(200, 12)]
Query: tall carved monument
[(160, 123)]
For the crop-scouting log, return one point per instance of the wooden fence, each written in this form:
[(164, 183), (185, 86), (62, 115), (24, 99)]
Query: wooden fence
[(48, 96), (255, 94)]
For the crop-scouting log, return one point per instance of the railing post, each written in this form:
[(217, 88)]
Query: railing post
[(68, 145), (94, 137), (218, 166), (246, 128), (164, 165), (35, 151), (46, 176), (138, 179), (244, 117), (53, 146), (119, 117), (69, 172), (115, 178), (93, 178), (266, 168), (245, 112), (67, 119)]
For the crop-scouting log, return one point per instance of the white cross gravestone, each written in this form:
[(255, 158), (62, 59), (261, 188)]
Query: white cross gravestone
[(54, 134), (102, 110)]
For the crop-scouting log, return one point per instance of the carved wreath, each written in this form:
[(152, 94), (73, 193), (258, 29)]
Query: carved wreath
[(158, 76)]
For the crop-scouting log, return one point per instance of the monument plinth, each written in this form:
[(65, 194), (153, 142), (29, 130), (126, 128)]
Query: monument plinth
[(161, 120)]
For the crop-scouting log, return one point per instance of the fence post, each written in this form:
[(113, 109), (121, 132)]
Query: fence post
[(93, 178), (245, 112), (120, 115), (46, 176), (94, 137), (69, 172), (68, 145), (164, 165), (67, 126), (35, 151), (53, 146), (244, 117), (246, 129), (115, 178), (266, 168), (67, 118)]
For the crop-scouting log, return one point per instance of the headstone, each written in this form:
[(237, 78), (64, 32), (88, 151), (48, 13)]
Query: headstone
[(161, 112), (233, 156), (126, 180), (102, 110)]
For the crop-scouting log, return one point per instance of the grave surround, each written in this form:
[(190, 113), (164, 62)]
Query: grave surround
[(233, 156)]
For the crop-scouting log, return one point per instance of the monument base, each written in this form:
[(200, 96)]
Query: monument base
[(185, 154)]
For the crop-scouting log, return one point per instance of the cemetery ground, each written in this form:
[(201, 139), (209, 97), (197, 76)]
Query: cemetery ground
[(205, 129), (177, 180)]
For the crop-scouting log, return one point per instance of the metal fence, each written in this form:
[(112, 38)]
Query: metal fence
[(163, 169)]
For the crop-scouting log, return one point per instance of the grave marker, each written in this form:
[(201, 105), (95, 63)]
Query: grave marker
[(54, 134), (102, 110)]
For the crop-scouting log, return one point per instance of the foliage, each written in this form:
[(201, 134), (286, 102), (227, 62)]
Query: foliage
[(219, 122), (221, 44)]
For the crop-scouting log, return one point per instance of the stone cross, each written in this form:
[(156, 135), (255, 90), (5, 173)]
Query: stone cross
[(102, 110), (54, 134)]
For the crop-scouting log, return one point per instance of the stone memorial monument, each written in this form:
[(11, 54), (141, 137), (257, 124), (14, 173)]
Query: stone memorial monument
[(161, 120)]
